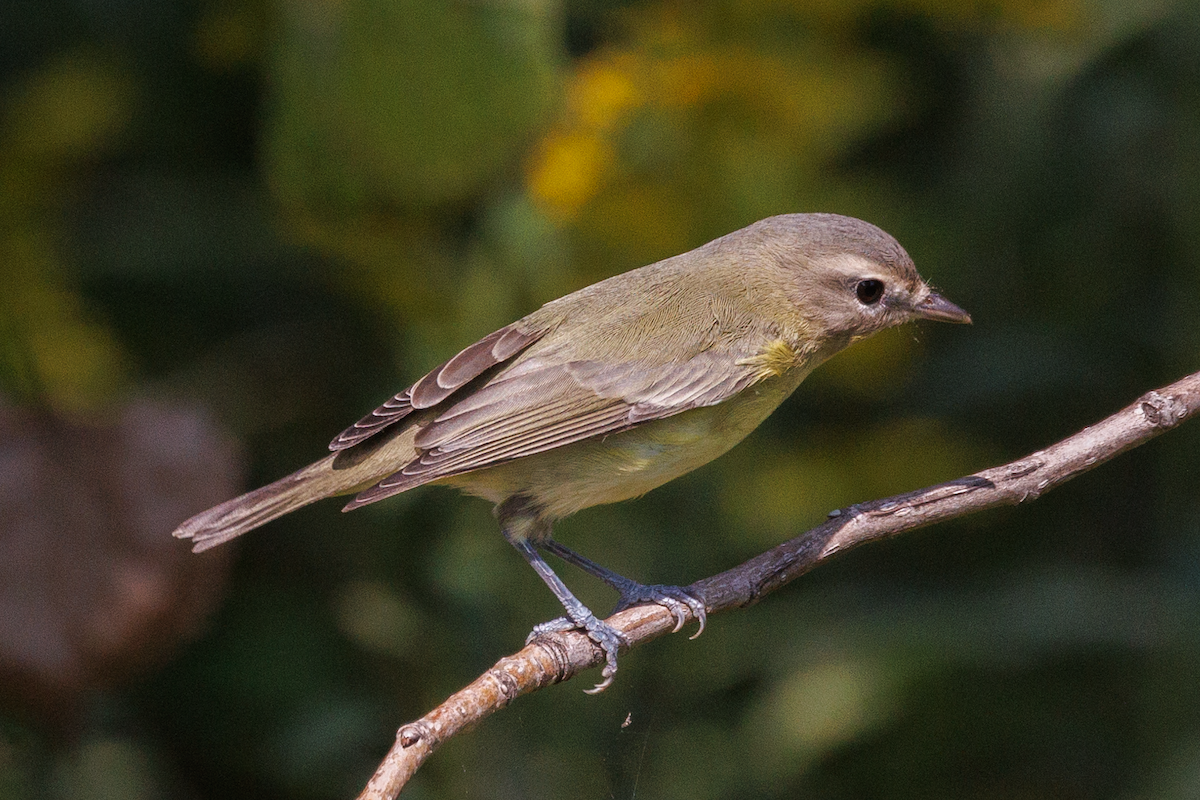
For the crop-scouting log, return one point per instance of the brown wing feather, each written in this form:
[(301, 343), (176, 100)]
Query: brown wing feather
[(536, 406), (441, 382)]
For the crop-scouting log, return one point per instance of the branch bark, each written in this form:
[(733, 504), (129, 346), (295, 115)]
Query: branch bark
[(558, 657)]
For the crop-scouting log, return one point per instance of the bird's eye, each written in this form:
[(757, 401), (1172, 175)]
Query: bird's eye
[(869, 291)]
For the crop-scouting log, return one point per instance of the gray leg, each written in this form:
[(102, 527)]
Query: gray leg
[(672, 597), (522, 527)]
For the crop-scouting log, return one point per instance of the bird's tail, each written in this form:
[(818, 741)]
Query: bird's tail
[(234, 517)]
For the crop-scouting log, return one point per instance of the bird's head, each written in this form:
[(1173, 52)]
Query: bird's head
[(847, 278)]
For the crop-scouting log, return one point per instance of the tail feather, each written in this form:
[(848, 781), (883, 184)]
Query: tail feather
[(241, 514)]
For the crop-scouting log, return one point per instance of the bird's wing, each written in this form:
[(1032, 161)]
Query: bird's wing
[(536, 405), (490, 351)]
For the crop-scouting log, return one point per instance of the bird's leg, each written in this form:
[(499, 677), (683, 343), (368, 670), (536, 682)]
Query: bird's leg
[(522, 527), (673, 598)]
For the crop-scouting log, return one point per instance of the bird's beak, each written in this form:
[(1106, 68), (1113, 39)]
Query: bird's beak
[(938, 308)]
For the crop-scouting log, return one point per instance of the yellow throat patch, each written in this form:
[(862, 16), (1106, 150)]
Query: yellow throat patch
[(772, 361)]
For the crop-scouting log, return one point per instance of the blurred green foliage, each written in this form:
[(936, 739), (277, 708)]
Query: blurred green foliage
[(289, 210)]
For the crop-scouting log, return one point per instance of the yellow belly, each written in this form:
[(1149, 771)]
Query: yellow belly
[(625, 465)]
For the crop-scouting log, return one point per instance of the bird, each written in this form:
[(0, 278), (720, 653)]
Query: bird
[(613, 390)]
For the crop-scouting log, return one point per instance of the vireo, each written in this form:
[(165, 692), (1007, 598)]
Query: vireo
[(615, 389)]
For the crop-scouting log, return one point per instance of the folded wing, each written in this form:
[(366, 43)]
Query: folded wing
[(538, 404), (490, 351)]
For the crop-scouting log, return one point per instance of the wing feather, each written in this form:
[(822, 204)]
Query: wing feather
[(439, 464), (441, 382), (536, 405)]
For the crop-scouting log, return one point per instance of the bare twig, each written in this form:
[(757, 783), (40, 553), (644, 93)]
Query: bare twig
[(558, 657)]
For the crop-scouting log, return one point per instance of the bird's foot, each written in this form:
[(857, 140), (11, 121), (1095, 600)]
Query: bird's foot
[(673, 598), (600, 632)]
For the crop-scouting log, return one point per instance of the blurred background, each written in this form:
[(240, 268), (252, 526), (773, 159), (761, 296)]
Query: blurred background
[(228, 228)]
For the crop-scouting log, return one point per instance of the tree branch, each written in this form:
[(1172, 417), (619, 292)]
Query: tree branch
[(558, 657)]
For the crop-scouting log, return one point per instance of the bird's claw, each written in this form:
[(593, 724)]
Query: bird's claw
[(558, 625), (672, 598), (609, 638)]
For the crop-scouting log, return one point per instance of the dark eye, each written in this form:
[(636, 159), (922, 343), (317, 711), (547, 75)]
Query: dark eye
[(869, 291)]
